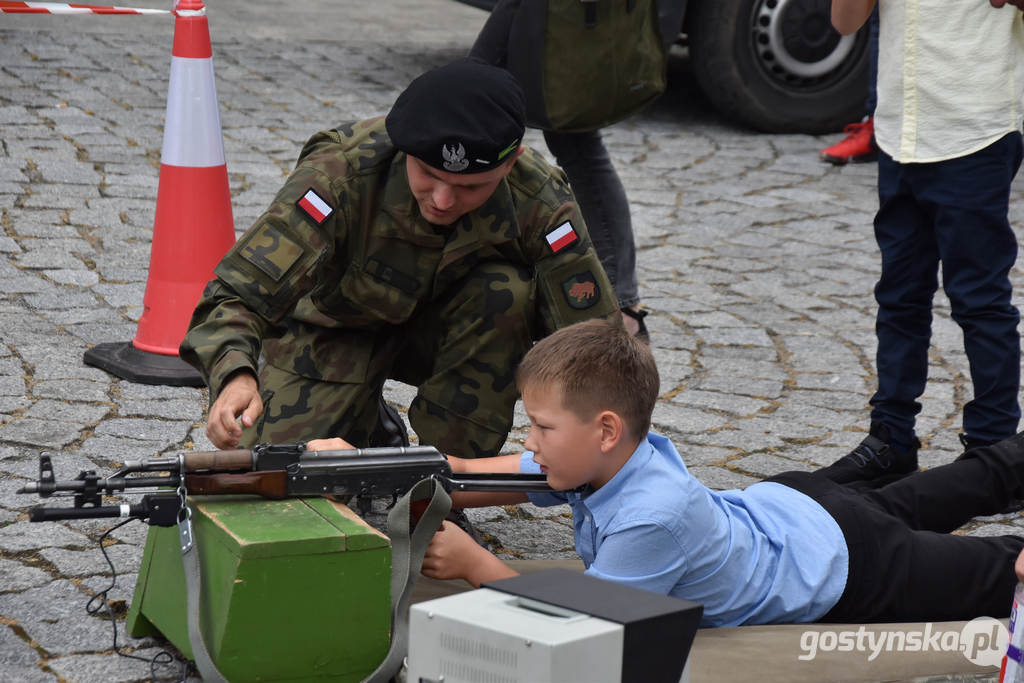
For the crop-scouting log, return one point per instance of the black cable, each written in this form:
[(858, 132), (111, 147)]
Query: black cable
[(162, 658)]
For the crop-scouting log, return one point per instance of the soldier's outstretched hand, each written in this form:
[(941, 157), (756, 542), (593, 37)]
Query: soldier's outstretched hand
[(238, 406)]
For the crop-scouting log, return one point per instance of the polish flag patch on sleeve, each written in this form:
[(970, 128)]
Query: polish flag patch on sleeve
[(561, 237), (315, 206)]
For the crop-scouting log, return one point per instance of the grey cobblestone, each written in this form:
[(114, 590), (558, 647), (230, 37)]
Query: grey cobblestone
[(168, 432), (756, 262), (82, 562), (44, 433), (168, 409), (996, 530), (73, 413), (11, 386), (18, 577), (25, 535), (111, 449)]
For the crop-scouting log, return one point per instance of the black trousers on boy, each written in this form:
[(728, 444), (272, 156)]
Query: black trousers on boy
[(904, 564)]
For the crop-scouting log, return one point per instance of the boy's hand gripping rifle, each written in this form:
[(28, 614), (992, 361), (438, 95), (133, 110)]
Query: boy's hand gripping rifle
[(268, 470)]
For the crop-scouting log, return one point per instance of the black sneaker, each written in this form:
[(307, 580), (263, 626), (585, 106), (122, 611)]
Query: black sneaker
[(1016, 504), (970, 444), (873, 462)]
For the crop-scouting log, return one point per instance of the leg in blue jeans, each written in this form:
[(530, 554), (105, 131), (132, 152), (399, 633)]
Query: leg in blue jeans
[(953, 212), (910, 262), (978, 248), (603, 202)]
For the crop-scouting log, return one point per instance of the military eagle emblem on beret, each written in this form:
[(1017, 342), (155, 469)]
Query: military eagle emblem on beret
[(454, 158)]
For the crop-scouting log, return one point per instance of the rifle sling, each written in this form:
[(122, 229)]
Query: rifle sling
[(407, 551), (193, 585)]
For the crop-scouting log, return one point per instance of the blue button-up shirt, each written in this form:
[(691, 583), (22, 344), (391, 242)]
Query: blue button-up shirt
[(766, 554)]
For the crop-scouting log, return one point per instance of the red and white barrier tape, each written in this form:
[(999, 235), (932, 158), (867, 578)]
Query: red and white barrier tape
[(10, 7)]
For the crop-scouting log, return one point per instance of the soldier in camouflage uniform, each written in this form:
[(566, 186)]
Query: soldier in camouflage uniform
[(429, 247)]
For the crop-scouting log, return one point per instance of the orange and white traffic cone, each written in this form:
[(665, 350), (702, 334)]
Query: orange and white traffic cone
[(193, 228)]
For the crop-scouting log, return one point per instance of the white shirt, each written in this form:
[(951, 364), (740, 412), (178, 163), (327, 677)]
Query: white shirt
[(950, 77)]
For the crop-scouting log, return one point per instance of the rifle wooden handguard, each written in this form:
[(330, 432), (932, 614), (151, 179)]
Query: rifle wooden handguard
[(269, 484), (218, 461)]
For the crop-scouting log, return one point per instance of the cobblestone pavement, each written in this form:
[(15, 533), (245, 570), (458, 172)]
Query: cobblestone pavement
[(757, 264)]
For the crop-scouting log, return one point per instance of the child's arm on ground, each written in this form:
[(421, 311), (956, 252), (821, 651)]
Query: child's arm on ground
[(499, 464), (1018, 567), (849, 15), (452, 554)]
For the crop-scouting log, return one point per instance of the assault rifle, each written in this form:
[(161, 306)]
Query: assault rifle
[(281, 471), (268, 470)]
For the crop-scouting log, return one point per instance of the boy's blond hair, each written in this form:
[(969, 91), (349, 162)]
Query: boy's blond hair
[(598, 366)]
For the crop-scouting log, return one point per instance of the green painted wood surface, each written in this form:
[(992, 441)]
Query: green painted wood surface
[(293, 590)]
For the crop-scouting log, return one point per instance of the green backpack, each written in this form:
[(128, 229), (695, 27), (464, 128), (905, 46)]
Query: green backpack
[(583, 64)]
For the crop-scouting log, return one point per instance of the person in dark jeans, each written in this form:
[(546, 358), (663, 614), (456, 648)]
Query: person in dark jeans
[(948, 157), (605, 210), (592, 177)]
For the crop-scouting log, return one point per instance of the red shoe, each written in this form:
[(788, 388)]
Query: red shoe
[(858, 145)]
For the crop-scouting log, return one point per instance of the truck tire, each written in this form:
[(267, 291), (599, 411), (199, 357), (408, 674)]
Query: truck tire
[(778, 65)]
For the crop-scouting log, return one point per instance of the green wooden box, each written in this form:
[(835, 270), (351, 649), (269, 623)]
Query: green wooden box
[(292, 590)]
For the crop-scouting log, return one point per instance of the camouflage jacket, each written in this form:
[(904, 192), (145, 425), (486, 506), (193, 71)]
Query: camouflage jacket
[(343, 252)]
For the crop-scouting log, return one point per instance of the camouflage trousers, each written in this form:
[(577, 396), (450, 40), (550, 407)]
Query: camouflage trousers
[(460, 352)]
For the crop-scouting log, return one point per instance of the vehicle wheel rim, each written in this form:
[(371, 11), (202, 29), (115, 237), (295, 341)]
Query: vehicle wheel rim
[(794, 40)]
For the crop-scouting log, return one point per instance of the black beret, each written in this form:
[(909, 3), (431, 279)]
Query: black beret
[(464, 117)]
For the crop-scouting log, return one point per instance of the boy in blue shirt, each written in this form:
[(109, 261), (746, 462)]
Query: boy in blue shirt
[(797, 547)]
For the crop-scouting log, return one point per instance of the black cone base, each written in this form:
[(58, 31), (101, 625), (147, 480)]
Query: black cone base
[(124, 360)]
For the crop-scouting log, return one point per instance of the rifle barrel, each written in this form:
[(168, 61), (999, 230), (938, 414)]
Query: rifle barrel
[(503, 483), (108, 485)]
